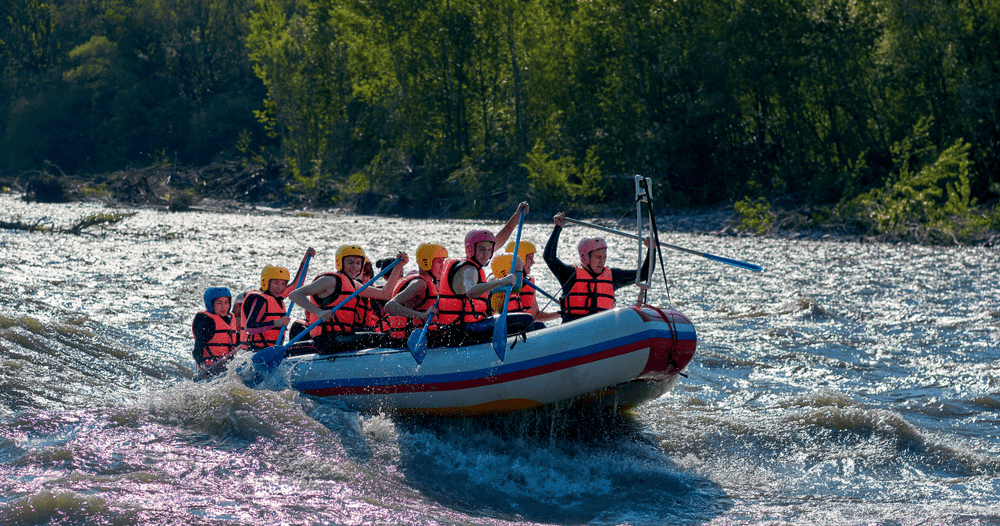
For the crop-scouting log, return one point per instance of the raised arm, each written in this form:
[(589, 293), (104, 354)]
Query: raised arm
[(562, 271), (504, 234), (385, 293), (311, 252)]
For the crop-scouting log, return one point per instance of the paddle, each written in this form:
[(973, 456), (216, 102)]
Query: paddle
[(417, 343), (500, 326), (546, 294), (720, 259), (214, 369), (270, 357)]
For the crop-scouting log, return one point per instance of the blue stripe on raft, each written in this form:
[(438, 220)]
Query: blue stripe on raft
[(491, 371), (686, 333)]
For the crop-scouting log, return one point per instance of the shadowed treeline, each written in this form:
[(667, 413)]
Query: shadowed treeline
[(882, 115)]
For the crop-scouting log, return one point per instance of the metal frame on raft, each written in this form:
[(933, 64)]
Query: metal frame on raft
[(642, 195)]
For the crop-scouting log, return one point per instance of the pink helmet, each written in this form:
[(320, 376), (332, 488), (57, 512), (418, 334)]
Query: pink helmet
[(588, 245), (477, 236)]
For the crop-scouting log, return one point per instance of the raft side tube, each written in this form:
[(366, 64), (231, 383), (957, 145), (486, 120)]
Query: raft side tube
[(668, 356)]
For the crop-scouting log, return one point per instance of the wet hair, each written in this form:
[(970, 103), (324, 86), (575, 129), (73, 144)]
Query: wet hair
[(385, 262)]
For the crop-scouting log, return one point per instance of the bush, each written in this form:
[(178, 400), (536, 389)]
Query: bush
[(754, 215), (929, 203), (46, 188)]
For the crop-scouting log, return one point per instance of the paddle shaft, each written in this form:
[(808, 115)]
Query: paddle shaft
[(720, 259), (344, 301), (272, 356), (546, 294), (500, 325), (223, 363)]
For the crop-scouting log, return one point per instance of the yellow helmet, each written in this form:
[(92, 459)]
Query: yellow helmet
[(527, 247), (501, 265), (348, 250), (428, 252), (271, 272)]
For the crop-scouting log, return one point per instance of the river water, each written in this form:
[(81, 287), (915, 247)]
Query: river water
[(845, 384)]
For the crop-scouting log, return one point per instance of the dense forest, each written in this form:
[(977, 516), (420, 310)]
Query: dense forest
[(885, 114)]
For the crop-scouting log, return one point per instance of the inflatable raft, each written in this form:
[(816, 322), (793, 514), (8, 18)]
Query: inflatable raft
[(621, 358)]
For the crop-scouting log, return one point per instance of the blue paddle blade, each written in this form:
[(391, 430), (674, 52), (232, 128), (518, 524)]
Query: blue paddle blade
[(418, 339), (420, 349), (500, 329), (418, 344), (734, 262), (268, 358)]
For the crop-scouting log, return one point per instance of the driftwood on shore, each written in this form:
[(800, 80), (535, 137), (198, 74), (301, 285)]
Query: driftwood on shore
[(101, 219), (178, 188)]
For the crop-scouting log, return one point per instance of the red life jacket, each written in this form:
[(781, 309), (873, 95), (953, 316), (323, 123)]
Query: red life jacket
[(344, 319), (455, 308), (275, 310), (366, 319), (222, 343), (589, 293), (401, 326)]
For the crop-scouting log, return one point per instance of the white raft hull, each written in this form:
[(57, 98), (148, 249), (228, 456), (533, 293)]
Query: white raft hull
[(620, 357)]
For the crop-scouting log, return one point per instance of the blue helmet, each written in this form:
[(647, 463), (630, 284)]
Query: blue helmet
[(213, 293)]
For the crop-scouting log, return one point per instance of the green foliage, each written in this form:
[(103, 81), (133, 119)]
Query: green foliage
[(559, 182), (754, 215), (930, 196), (95, 58), (472, 181), (95, 85), (715, 100)]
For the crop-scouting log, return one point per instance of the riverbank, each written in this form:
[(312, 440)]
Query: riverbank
[(233, 187)]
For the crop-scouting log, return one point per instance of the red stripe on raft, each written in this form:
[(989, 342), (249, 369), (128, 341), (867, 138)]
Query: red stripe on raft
[(488, 380)]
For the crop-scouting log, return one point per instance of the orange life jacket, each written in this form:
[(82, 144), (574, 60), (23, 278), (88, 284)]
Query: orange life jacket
[(344, 319), (275, 310), (401, 326), (455, 308), (589, 293), (222, 343)]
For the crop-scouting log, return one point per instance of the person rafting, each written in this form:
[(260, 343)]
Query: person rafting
[(589, 287), (238, 318), (215, 334), (370, 310), (463, 287), (414, 296), (264, 310), (523, 300), (329, 289)]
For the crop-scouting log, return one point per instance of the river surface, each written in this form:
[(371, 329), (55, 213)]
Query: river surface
[(845, 384)]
